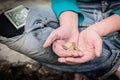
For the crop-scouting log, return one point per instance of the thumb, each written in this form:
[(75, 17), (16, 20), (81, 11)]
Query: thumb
[(98, 48), (51, 38)]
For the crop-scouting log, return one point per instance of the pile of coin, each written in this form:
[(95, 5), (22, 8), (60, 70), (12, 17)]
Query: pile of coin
[(70, 46)]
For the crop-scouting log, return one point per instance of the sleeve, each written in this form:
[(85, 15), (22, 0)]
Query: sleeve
[(115, 12), (60, 6)]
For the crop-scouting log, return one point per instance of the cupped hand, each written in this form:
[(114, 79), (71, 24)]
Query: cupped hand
[(59, 37), (90, 45)]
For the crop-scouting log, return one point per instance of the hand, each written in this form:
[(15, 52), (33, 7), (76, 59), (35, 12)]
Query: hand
[(59, 37), (67, 32), (90, 45), (68, 29), (70, 50)]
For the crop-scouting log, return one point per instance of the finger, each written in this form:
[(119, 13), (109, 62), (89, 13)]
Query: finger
[(63, 60), (79, 59), (51, 38), (77, 53), (76, 60), (98, 48)]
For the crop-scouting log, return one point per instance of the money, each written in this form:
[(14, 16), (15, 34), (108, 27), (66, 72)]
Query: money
[(70, 46), (17, 16)]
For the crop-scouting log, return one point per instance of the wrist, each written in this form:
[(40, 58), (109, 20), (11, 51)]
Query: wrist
[(98, 30), (69, 19), (108, 25)]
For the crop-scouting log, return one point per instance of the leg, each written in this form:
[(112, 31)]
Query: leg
[(37, 29), (113, 44)]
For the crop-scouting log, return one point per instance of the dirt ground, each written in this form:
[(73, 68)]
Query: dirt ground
[(28, 71)]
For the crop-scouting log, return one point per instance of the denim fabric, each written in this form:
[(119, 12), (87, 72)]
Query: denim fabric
[(41, 21), (97, 10)]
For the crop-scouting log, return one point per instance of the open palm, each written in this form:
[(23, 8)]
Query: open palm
[(89, 44)]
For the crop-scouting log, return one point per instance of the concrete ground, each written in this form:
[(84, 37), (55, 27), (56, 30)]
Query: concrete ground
[(6, 53)]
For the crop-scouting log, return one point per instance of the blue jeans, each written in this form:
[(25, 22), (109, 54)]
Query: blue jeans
[(41, 21)]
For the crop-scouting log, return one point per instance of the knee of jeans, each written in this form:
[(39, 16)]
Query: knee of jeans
[(46, 56), (39, 54)]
